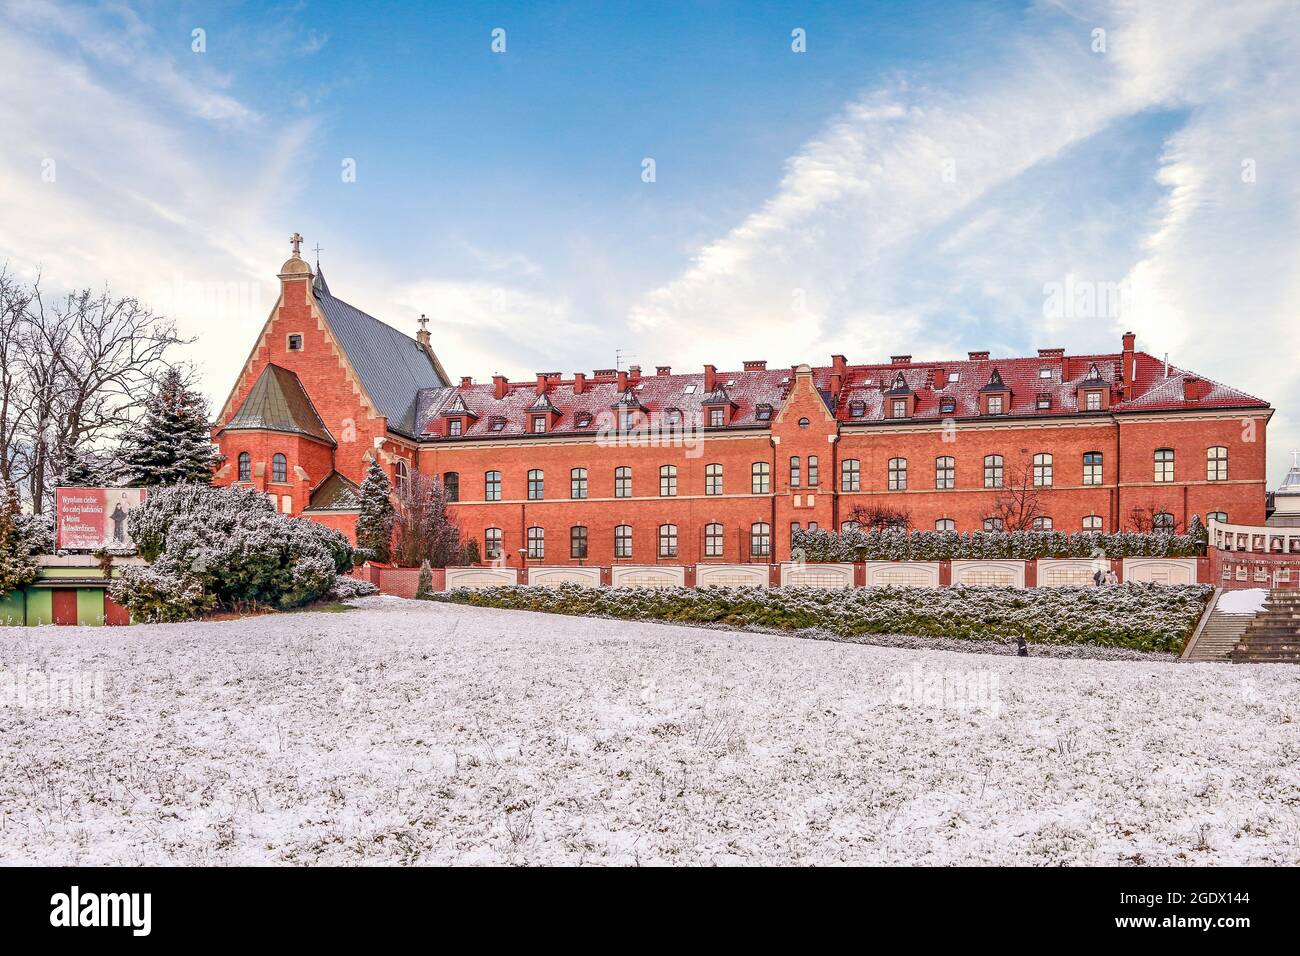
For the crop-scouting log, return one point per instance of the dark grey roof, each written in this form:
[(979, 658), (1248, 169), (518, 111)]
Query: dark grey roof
[(393, 368), (277, 402), (335, 493)]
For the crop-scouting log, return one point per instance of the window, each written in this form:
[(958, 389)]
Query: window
[(992, 471), (668, 541), (674, 417), (898, 474), (763, 412), (626, 419), (795, 476), (536, 542), (995, 404), (245, 466), (1044, 402), (583, 420), (667, 481), (536, 485), (492, 486), (713, 540), (1164, 463), (947, 406), (954, 376), (578, 483), (1092, 468), (761, 478), (1092, 523), (578, 542), (453, 427), (1092, 401), (760, 539), (850, 475), (713, 479), (492, 543), (847, 526), (812, 471), (794, 530), (1044, 373), (1216, 464), (804, 423), (1219, 516), (295, 343), (992, 524), (716, 418), (857, 409), (1042, 471), (1043, 523), (623, 482), (279, 468), (945, 524), (539, 423), (451, 484), (623, 541), (899, 408), (945, 473), (1162, 523), (402, 475), (497, 424)]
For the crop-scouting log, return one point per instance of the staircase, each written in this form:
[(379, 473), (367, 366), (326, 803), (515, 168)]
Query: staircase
[(1219, 636), (1273, 636)]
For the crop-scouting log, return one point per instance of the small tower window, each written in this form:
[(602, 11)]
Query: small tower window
[(295, 342)]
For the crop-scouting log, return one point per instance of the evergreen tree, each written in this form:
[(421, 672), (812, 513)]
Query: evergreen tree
[(17, 566), (424, 585), (377, 515), (173, 443), (470, 553), (86, 468)]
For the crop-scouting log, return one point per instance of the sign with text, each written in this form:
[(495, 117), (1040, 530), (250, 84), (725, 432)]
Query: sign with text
[(88, 519)]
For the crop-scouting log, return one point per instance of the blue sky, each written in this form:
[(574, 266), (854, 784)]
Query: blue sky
[(915, 181)]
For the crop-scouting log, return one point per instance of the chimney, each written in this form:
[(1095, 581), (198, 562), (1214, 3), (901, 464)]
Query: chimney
[(900, 359), (756, 365), (542, 383), (634, 373), (839, 363), (1128, 367), (500, 386), (622, 380), (837, 383), (579, 382), (978, 356), (710, 376), (466, 381), (1193, 389), (663, 370)]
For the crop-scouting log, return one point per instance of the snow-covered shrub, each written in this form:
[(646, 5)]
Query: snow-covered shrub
[(234, 546), (347, 587), (896, 545), (424, 584), (1144, 617), (160, 597)]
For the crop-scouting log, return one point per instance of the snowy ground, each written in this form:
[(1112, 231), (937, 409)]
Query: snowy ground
[(409, 732)]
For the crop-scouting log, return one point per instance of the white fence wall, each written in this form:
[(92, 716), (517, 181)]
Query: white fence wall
[(1160, 570), (480, 577), (989, 573), (588, 577), (731, 575), (648, 576), (1063, 572), (817, 575), (919, 574)]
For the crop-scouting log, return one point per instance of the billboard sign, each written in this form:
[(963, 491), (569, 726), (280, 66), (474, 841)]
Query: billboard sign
[(88, 519)]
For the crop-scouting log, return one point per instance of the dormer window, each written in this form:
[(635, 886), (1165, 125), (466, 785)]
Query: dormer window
[(898, 408), (954, 377), (626, 419), (539, 424), (1044, 373), (947, 406), (857, 409), (583, 420), (673, 417), (995, 404), (763, 412), (497, 424), (455, 427), (1044, 402), (1092, 401), (717, 417)]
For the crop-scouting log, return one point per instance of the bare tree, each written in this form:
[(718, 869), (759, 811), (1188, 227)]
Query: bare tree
[(1152, 519), (425, 528), (1017, 504), (881, 518)]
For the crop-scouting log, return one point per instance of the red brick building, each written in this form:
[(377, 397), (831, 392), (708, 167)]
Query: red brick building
[(628, 466)]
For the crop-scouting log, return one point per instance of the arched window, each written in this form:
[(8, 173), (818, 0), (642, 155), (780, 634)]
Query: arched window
[(536, 542), (1216, 463), (578, 542), (992, 471), (623, 541), (1163, 523), (945, 524), (812, 471), (713, 479), (668, 541), (760, 539), (1164, 464), (578, 483), (1092, 468), (451, 483), (401, 476), (245, 466), (1092, 523), (898, 474), (667, 481), (1042, 471), (761, 478), (850, 475), (492, 543), (992, 524), (536, 485), (713, 540), (279, 468), (1219, 516), (795, 476), (847, 526), (492, 486), (945, 472), (1043, 523), (623, 482)]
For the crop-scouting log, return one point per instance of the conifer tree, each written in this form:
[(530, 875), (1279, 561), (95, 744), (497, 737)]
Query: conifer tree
[(377, 515), (17, 567), (173, 443)]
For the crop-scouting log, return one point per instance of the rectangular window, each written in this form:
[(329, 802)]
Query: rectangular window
[(295, 343), (760, 540), (762, 478), (623, 541), (578, 483), (1092, 523), (900, 408), (995, 404), (794, 472), (812, 471), (668, 541), (992, 471), (492, 486), (623, 482), (715, 418), (453, 427), (850, 475), (713, 479), (539, 423), (1164, 463), (1092, 468), (536, 543), (492, 543), (668, 481), (1092, 402), (898, 474), (536, 485), (945, 473), (451, 484), (945, 524), (578, 542), (1216, 463), (713, 540), (1043, 471)]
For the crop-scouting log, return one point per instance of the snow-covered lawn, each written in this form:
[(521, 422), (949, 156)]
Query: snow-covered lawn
[(409, 732)]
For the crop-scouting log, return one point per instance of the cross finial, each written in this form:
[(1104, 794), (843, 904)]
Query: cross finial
[(295, 240), (318, 249), (424, 322), (1295, 458)]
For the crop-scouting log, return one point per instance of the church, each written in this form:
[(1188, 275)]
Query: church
[(709, 465)]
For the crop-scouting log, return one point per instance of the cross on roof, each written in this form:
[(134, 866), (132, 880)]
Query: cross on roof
[(424, 321), (318, 250), (295, 241), (1295, 458)]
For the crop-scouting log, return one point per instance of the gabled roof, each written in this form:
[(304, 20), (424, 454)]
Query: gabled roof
[(393, 367), (277, 402), (995, 383), (335, 493), (457, 407)]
